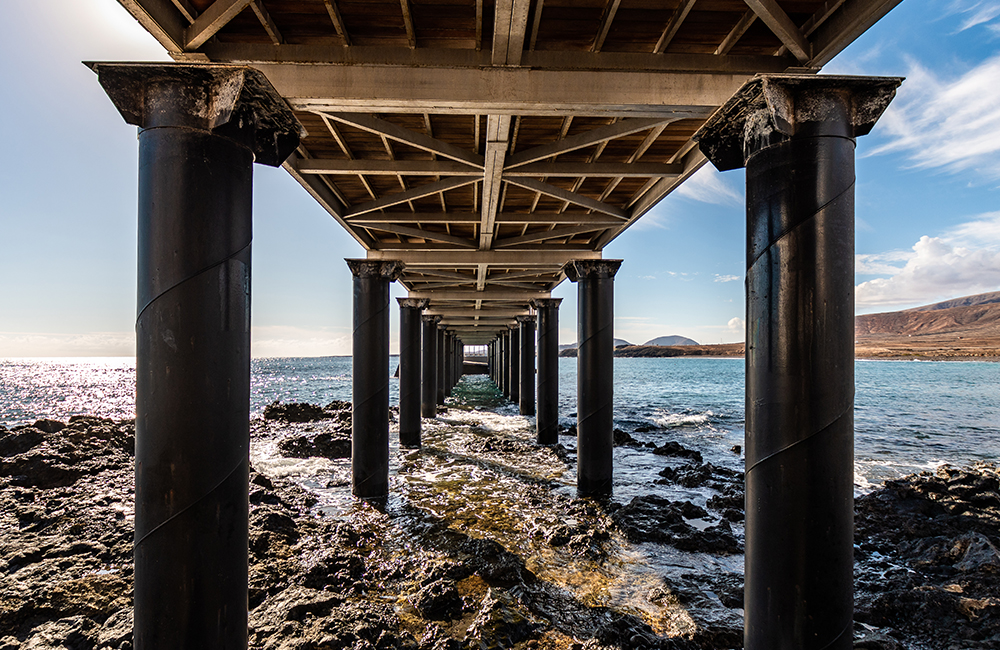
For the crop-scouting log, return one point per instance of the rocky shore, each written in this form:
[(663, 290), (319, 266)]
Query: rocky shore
[(419, 572)]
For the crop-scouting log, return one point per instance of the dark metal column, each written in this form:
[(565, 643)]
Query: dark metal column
[(449, 366), (370, 401), (515, 364), (201, 130), (505, 363), (442, 372), (595, 372), (527, 352), (796, 137), (547, 421), (409, 371), (428, 366)]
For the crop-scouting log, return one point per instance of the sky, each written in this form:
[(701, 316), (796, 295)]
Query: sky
[(927, 199)]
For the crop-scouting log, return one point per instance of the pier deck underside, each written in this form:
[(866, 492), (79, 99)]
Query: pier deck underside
[(483, 143)]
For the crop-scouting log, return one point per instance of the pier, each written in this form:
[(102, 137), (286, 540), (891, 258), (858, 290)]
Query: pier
[(482, 153)]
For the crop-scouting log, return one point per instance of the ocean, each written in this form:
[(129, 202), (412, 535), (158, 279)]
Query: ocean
[(909, 416)]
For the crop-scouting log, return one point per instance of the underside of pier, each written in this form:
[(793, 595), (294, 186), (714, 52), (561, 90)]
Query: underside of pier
[(482, 152)]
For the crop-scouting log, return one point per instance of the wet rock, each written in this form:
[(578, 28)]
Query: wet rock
[(645, 428), (623, 439), (493, 563), (17, 442), (325, 445), (698, 475), (736, 449), (294, 412), (500, 623), (438, 601), (652, 518), (435, 638), (116, 633), (49, 426), (672, 448)]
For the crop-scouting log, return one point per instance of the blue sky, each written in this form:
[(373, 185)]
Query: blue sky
[(928, 198)]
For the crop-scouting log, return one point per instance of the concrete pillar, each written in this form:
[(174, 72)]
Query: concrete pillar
[(449, 366), (428, 366), (796, 138), (409, 371), (515, 364), (442, 373), (201, 129), (370, 377), (527, 352), (595, 372), (547, 420)]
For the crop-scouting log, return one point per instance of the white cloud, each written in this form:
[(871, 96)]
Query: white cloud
[(727, 278), (937, 269), (736, 326), (976, 13), (887, 263), (708, 186), (948, 124)]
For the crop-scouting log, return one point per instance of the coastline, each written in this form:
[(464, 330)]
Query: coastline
[(910, 348)]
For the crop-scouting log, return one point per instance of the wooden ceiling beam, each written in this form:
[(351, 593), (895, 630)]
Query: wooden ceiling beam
[(497, 135), (454, 258), (852, 19), (265, 20), (472, 294), (211, 21), (772, 15), (510, 26), (339, 90), (673, 25), (406, 136), (587, 139), (736, 33), (414, 232), (411, 36), (388, 167), (606, 19), (555, 233), (409, 195), (337, 20), (566, 195)]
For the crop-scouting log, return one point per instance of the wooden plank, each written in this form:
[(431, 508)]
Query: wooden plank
[(673, 25), (406, 136), (211, 21), (402, 197), (565, 195), (778, 22)]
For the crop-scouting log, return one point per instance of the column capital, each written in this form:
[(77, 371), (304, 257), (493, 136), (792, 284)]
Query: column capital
[(545, 303), (388, 269), (769, 108), (235, 102), (412, 303), (433, 319), (577, 270), (526, 318)]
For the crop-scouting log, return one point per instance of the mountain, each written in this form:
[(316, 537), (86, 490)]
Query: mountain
[(969, 316), (572, 346), (671, 340)]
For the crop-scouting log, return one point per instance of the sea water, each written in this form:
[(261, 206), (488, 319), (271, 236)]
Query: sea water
[(909, 415)]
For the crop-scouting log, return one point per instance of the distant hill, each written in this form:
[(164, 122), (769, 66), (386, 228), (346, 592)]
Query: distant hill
[(970, 316), (572, 346), (671, 340)]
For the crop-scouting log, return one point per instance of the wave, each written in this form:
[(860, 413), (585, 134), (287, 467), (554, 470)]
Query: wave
[(666, 420)]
